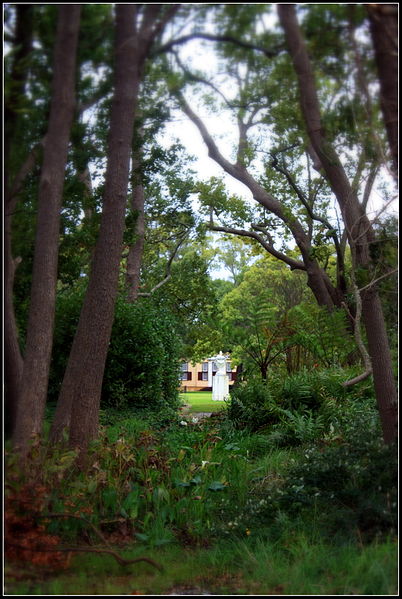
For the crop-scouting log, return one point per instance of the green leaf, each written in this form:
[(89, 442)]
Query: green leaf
[(196, 480), (159, 542), (216, 485), (181, 483), (232, 447)]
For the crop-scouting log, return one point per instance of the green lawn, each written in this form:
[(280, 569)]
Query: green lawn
[(201, 401)]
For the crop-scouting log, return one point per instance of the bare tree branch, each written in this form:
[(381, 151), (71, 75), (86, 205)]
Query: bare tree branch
[(217, 38), (167, 272), (369, 186), (314, 216), (375, 281), (191, 77), (294, 264)]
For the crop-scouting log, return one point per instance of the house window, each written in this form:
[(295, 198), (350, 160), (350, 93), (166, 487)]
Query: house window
[(185, 374), (228, 367), (203, 374)]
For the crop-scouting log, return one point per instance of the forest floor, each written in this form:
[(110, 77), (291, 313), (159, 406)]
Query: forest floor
[(231, 568)]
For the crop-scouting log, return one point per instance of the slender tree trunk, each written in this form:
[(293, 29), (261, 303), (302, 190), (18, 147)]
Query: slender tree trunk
[(384, 33), (380, 355), (359, 229), (34, 379), (22, 47)]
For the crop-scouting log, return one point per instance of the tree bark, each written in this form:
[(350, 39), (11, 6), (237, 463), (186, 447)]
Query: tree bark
[(359, 230), (384, 32), (22, 48), (77, 405), (34, 379)]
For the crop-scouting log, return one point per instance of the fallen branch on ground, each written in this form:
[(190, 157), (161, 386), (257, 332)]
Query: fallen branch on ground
[(121, 560)]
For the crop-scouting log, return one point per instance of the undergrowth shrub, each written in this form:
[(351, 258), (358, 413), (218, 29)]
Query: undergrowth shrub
[(301, 408), (249, 405), (307, 389), (353, 486), (340, 488), (154, 486), (297, 428), (142, 366)]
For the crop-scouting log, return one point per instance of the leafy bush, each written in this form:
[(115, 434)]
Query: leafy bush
[(351, 482), (296, 428), (307, 389), (301, 408), (250, 405), (324, 334), (142, 366)]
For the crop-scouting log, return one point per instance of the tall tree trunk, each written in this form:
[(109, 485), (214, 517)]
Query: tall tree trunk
[(34, 379), (12, 355), (82, 383), (359, 230), (384, 33)]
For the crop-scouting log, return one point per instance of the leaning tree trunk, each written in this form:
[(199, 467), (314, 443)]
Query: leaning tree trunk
[(359, 229), (13, 362), (384, 33), (318, 281), (34, 379)]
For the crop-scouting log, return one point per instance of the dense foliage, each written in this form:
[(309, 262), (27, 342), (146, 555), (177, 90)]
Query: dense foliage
[(305, 406), (142, 369)]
